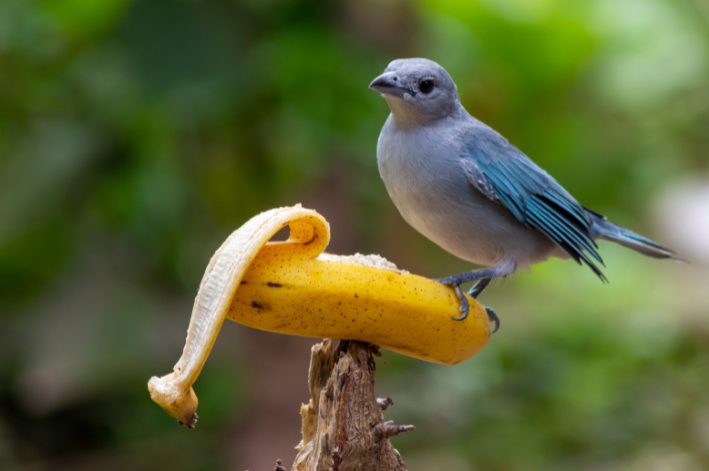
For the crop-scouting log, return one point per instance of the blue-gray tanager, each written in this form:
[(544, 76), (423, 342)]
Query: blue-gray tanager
[(465, 187)]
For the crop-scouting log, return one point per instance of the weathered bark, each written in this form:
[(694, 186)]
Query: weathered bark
[(343, 424)]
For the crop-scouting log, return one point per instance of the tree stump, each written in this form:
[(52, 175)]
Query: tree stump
[(343, 424)]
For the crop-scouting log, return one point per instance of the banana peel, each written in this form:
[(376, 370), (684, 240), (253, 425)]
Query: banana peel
[(293, 287)]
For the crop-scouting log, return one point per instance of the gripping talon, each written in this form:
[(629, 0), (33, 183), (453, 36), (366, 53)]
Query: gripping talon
[(493, 319), (464, 304)]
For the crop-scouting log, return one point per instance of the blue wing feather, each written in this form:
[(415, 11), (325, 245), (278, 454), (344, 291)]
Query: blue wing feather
[(505, 175)]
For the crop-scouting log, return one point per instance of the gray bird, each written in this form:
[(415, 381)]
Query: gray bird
[(465, 187)]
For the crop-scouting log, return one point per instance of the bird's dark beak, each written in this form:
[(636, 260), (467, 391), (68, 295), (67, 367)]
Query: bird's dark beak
[(388, 84)]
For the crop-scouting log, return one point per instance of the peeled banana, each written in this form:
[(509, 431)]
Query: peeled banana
[(292, 287)]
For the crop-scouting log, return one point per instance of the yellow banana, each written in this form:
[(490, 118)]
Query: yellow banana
[(292, 287)]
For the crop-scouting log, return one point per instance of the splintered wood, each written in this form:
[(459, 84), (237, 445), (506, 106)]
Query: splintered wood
[(343, 424)]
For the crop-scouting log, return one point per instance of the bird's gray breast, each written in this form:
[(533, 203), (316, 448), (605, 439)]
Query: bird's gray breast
[(422, 172)]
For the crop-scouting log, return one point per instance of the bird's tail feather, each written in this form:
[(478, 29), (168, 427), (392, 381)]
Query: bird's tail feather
[(609, 231)]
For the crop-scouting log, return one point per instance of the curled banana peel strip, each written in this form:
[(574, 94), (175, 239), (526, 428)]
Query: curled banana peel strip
[(292, 287)]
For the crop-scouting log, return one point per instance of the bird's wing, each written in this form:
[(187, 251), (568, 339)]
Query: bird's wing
[(506, 176)]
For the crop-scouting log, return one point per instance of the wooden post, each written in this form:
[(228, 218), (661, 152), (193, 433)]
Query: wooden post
[(343, 424)]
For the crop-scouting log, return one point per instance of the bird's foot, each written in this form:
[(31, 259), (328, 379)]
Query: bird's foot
[(483, 278), (451, 281), (493, 319), (464, 304)]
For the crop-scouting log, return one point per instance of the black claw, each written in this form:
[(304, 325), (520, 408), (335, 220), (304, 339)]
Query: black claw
[(464, 313), (483, 278), (464, 304), (493, 319)]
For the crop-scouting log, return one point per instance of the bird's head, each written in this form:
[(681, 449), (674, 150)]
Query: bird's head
[(418, 91)]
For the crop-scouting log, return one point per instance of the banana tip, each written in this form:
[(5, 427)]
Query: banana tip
[(178, 404)]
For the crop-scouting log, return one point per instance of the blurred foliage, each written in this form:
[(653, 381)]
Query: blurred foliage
[(136, 134)]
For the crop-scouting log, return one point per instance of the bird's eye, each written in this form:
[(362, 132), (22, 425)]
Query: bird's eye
[(426, 86)]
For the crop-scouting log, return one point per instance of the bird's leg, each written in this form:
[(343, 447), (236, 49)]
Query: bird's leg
[(457, 280), (479, 287), (475, 292)]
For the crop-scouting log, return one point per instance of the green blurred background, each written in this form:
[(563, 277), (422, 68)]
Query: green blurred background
[(135, 135)]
